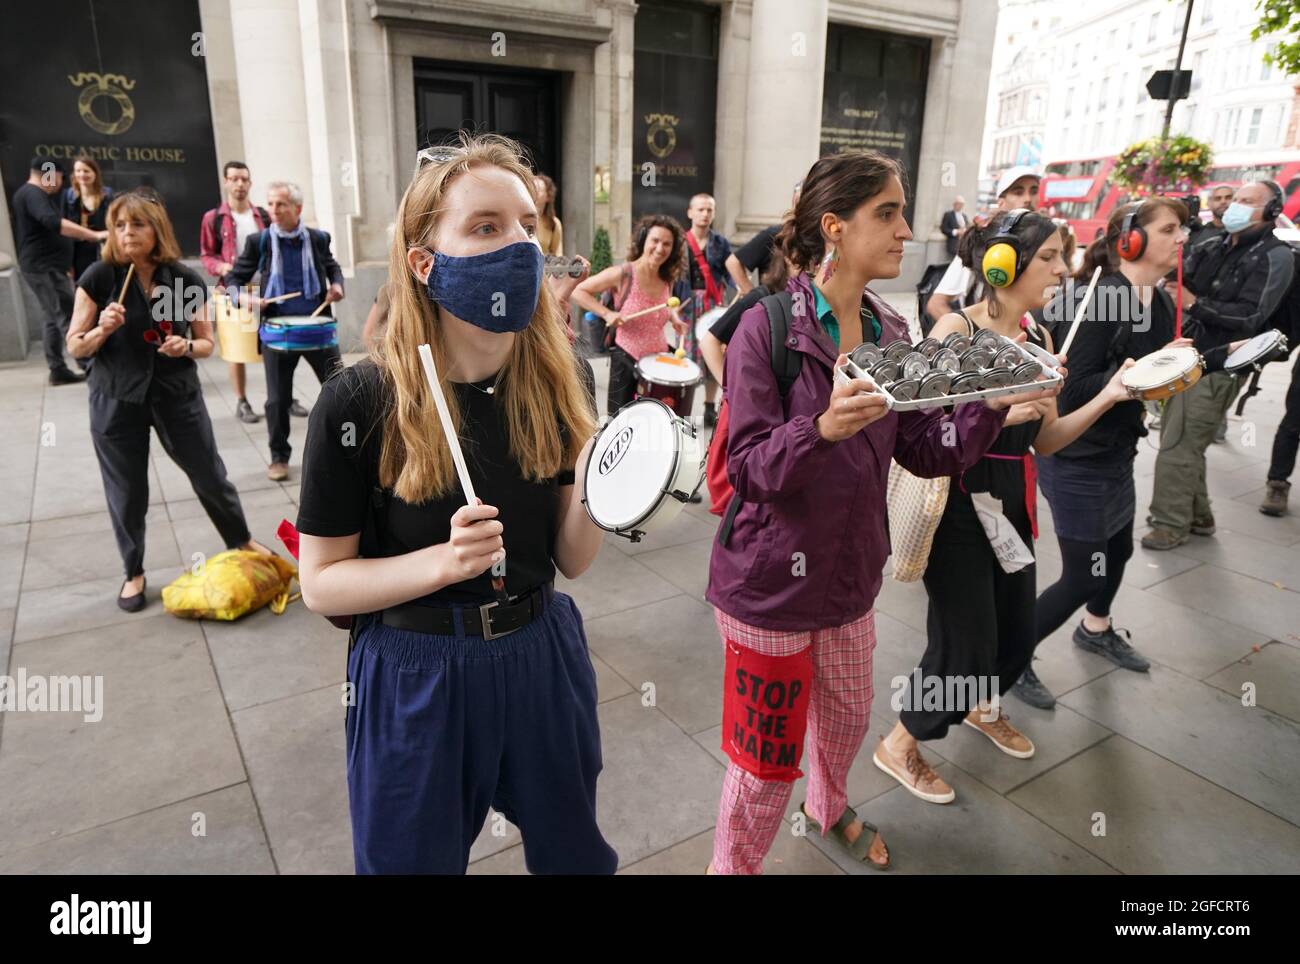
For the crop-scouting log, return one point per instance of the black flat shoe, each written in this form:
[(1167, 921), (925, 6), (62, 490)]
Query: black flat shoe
[(132, 604)]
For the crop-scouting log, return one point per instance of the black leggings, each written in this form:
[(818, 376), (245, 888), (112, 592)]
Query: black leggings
[(622, 380), (1091, 573)]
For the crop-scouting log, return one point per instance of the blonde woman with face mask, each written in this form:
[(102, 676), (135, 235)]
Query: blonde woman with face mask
[(472, 680)]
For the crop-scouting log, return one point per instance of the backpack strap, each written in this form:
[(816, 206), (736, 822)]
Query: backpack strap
[(786, 365), (786, 362)]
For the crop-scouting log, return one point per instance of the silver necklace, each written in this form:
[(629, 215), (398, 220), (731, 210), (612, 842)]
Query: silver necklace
[(491, 389)]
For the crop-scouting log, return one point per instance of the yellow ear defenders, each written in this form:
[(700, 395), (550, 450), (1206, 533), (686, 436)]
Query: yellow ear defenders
[(1003, 258)]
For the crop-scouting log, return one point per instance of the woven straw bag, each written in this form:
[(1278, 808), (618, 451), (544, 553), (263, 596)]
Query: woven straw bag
[(915, 507)]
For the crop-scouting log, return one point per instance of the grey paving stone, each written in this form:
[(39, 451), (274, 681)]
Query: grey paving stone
[(614, 582), (1238, 599), (1249, 557), (687, 527), (609, 685), (1247, 750), (84, 605), (1273, 671), (263, 657), (685, 566), (294, 750), (672, 644), (978, 833), (164, 734), (1159, 817), (1057, 735), (227, 839), (658, 785), (85, 556)]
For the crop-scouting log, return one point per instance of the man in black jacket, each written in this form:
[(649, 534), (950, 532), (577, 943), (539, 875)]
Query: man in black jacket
[(1232, 285), (291, 259)]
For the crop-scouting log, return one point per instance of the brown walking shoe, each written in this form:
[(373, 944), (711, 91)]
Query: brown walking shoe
[(278, 472), (1004, 736), (914, 774), (1275, 498), (1161, 539), (1203, 526)]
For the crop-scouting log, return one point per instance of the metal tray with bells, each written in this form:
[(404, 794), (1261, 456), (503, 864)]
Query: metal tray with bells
[(931, 374)]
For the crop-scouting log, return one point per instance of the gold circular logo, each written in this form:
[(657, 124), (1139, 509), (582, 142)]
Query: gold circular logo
[(661, 137), (112, 86)]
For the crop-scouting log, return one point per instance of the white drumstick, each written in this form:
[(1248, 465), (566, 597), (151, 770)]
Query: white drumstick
[(1078, 315), (449, 430)]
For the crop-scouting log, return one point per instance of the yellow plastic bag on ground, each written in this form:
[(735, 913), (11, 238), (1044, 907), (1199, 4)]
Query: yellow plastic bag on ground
[(231, 584)]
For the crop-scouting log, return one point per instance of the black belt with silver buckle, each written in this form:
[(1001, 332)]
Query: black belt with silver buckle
[(490, 620)]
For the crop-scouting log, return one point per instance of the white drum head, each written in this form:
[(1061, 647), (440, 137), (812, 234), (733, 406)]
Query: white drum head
[(1261, 346), (1160, 368), (667, 369), (631, 465), (708, 320)]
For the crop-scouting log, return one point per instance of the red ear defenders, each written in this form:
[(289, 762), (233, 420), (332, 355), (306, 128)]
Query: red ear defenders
[(1132, 237), (1004, 257)]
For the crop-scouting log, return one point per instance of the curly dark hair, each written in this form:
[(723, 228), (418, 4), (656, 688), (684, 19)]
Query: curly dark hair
[(675, 263), (839, 183)]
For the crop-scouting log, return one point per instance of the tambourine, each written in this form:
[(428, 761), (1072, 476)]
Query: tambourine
[(1163, 374)]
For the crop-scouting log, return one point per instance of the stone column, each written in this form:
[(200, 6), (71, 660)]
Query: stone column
[(272, 96), (787, 63), (733, 95)]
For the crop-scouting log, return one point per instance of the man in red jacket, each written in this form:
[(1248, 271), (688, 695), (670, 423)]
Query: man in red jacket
[(222, 235)]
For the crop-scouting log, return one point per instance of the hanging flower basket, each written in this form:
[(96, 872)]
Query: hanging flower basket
[(1152, 167)]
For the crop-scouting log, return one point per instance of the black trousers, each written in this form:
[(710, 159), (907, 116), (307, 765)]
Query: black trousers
[(55, 294), (120, 432), (979, 628), (1287, 439), (622, 380), (279, 367)]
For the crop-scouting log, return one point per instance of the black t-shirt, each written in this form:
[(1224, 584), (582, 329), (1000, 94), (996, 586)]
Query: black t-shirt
[(341, 471), (756, 253), (38, 218), (726, 326), (126, 366)]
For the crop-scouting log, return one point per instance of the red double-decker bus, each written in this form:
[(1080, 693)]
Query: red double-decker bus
[(1081, 193)]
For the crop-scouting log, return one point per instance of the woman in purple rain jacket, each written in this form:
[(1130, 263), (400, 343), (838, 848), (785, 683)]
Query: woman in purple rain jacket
[(798, 560)]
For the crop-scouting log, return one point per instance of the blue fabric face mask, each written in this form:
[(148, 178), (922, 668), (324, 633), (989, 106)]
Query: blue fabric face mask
[(1237, 217), (496, 291)]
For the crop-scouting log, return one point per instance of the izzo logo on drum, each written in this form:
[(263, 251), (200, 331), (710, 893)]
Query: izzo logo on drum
[(616, 450), (112, 86)]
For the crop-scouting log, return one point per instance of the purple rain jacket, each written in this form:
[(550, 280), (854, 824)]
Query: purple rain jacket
[(807, 547)]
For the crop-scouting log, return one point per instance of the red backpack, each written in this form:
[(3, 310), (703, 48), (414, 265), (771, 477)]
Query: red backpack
[(786, 365)]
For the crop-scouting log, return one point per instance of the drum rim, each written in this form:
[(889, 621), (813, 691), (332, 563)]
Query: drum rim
[(1197, 362), (1276, 337), (664, 491)]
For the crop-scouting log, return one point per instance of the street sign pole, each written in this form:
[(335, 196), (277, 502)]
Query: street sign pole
[(1176, 85)]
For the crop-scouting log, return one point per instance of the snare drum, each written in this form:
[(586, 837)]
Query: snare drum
[(1260, 350), (1163, 374), (645, 465), (669, 379), (299, 333)]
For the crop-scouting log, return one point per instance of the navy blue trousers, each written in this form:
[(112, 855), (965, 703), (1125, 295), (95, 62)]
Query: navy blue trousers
[(446, 726)]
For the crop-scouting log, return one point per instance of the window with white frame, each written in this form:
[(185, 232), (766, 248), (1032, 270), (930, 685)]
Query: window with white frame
[(1207, 12), (1153, 28), (1198, 62), (1101, 94), (1252, 131)]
